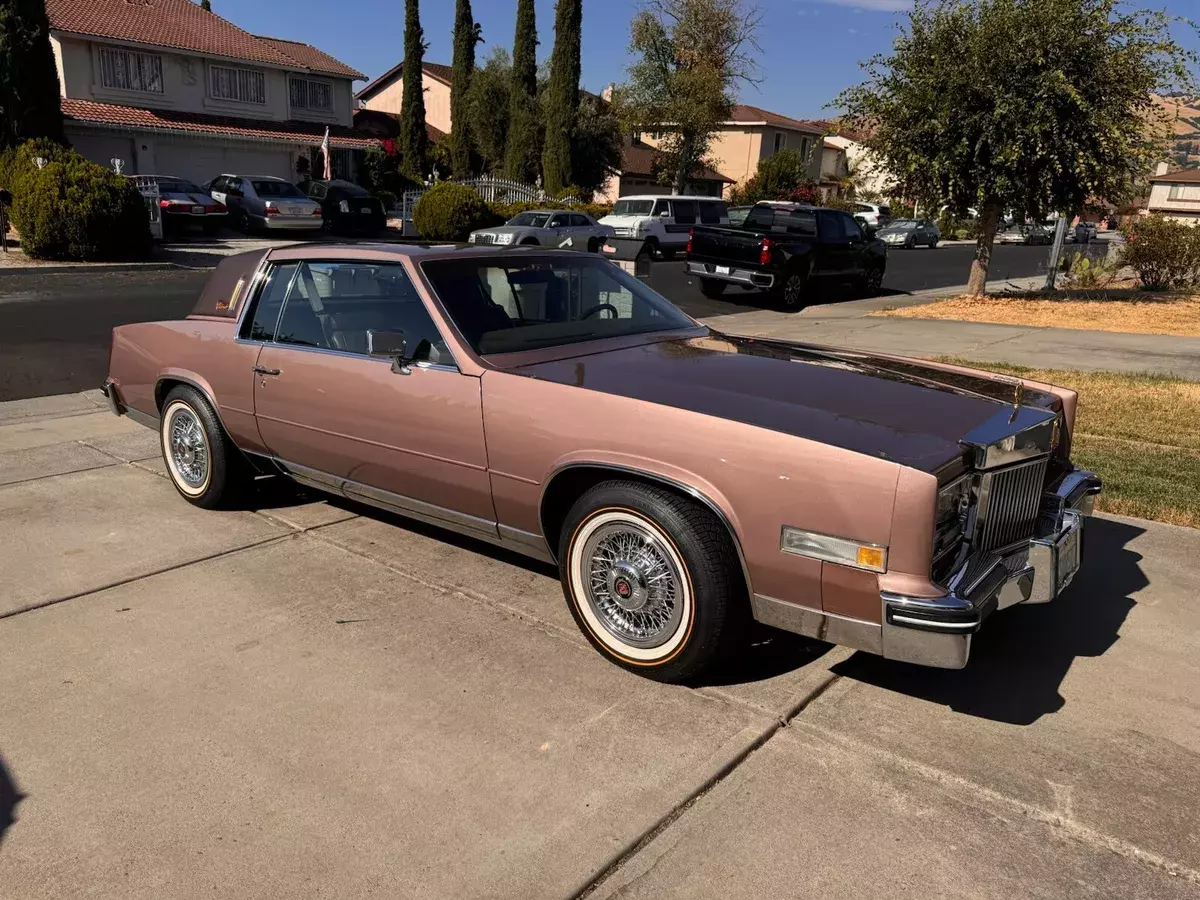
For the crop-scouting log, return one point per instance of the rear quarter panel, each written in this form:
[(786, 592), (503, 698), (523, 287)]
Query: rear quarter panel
[(201, 351), (759, 478)]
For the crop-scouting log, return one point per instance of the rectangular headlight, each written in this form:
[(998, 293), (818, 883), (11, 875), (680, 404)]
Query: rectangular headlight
[(504, 238), (871, 557)]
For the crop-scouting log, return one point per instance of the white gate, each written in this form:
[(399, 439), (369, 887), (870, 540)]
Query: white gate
[(492, 190), (148, 188)]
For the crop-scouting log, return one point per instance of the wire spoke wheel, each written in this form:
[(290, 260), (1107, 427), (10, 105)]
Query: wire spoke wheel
[(189, 448)]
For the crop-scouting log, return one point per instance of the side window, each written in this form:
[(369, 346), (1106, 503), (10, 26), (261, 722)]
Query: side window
[(559, 221), (802, 221), (578, 221), (851, 227), (332, 306), (317, 191), (710, 213), (685, 212), (660, 207), (268, 304), (760, 218), (234, 186), (831, 226)]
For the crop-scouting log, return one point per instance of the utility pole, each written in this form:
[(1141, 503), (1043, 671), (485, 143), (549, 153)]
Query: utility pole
[(1060, 236)]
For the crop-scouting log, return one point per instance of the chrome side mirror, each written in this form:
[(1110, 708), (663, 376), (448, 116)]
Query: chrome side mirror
[(389, 345)]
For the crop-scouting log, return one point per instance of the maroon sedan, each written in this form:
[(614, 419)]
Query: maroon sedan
[(681, 479)]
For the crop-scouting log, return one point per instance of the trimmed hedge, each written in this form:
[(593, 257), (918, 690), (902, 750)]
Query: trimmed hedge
[(72, 208), (450, 212), (505, 211)]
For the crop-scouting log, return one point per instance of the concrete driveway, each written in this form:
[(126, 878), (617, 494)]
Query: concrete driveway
[(315, 699)]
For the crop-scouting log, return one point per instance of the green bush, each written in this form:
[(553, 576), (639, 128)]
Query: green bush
[(72, 208), (450, 212), (956, 229), (1164, 254)]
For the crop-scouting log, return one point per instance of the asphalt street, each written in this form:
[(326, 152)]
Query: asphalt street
[(55, 328)]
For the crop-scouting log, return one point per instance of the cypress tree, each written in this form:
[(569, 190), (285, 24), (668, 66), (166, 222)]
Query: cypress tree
[(466, 36), (29, 98), (414, 139), (521, 151), (562, 94)]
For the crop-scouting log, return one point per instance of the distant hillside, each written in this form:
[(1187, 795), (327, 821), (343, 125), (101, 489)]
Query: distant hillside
[(1183, 119)]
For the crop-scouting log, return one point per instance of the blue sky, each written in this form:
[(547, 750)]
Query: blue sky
[(810, 48)]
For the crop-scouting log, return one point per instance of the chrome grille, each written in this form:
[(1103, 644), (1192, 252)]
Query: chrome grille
[(485, 238), (1008, 504)]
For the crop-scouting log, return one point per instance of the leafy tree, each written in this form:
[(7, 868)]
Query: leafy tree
[(29, 98), (596, 144), (414, 139), (206, 5), (521, 158), (1023, 105), (489, 109), (562, 94), (466, 36), (691, 55)]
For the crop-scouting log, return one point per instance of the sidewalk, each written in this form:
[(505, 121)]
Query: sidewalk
[(310, 697), (850, 325)]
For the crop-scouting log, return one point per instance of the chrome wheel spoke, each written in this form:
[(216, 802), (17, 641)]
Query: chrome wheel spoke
[(633, 586), (188, 447)]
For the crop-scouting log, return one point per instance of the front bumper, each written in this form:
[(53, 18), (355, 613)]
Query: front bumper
[(747, 277), (109, 390), (291, 223), (936, 631)]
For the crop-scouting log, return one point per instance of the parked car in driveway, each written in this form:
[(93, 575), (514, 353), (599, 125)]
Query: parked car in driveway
[(889, 504), (347, 208), (265, 203), (873, 213), (546, 228), (786, 249), (1024, 234), (910, 233), (183, 204)]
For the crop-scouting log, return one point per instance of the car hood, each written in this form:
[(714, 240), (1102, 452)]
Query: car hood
[(900, 410)]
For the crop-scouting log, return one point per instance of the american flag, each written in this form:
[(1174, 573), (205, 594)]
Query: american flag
[(325, 153)]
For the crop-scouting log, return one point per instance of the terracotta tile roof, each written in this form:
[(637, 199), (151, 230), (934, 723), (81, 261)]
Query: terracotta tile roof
[(437, 70), (377, 123), (312, 59), (289, 132), (1186, 176), (638, 159), (183, 25), (743, 113)]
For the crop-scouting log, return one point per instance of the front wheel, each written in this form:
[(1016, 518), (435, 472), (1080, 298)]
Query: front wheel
[(202, 462), (712, 288), (651, 579)]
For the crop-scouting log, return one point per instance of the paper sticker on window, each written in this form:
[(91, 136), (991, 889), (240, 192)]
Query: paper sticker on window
[(223, 305)]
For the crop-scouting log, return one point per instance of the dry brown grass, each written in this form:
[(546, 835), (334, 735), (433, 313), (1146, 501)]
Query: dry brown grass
[(1130, 312), (1141, 433)]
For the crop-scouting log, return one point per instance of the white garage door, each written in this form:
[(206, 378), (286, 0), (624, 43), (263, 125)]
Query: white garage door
[(201, 161), (101, 148)]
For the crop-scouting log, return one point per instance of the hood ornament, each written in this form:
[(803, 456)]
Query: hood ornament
[(1018, 396)]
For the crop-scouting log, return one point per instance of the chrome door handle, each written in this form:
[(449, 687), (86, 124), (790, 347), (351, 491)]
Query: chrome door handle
[(262, 370)]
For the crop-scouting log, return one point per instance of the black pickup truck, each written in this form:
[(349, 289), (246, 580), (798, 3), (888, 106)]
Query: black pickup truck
[(784, 249)]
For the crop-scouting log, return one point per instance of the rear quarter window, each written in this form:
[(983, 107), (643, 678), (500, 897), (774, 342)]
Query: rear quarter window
[(226, 288)]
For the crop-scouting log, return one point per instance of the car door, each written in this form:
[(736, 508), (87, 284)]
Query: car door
[(559, 228), (856, 246), (833, 251), (683, 214), (408, 437)]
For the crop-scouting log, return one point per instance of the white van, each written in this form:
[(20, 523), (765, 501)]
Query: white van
[(664, 220)]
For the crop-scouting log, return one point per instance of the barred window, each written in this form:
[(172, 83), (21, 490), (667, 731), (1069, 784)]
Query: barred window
[(128, 70), (242, 85), (313, 95)]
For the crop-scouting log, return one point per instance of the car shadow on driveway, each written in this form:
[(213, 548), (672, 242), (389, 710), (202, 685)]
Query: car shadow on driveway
[(9, 798), (1021, 656)]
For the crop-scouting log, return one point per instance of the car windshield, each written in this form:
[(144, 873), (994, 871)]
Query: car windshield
[(530, 220), (276, 189), (737, 214), (175, 186), (528, 303), (632, 207), (902, 225)]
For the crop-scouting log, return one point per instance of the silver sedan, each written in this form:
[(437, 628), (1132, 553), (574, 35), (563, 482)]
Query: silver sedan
[(546, 228)]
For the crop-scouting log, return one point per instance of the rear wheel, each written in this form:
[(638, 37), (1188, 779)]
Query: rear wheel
[(651, 579), (202, 463), (872, 282), (712, 288), (791, 290)]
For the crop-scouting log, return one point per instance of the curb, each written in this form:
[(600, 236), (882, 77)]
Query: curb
[(86, 267)]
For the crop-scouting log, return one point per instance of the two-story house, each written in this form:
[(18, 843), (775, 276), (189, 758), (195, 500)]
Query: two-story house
[(1176, 195), (386, 94), (169, 88)]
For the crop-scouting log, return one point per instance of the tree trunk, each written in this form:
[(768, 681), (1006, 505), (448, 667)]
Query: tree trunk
[(684, 169), (989, 220)]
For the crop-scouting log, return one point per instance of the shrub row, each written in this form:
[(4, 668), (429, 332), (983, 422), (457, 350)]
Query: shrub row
[(450, 212), (72, 208)]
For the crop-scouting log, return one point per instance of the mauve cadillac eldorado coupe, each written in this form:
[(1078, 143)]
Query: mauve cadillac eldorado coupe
[(682, 480)]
